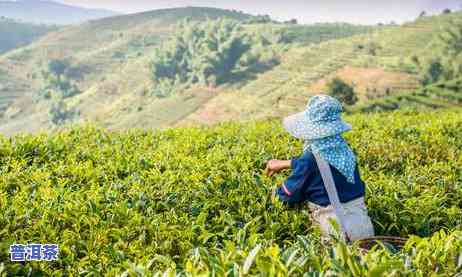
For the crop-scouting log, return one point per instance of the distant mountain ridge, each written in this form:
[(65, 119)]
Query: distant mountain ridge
[(49, 12)]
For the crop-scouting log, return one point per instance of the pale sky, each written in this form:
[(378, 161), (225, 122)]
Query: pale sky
[(306, 11)]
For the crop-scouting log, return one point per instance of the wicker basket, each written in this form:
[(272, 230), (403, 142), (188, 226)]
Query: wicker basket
[(392, 243)]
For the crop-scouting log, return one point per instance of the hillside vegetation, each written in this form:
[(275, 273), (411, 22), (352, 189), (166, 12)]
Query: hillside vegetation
[(196, 200), (124, 71), (15, 34), (112, 59), (377, 64), (104, 55), (443, 94)]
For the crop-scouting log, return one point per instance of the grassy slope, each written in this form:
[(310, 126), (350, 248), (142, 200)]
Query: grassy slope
[(287, 87), (114, 88), (197, 199), (92, 46), (445, 94)]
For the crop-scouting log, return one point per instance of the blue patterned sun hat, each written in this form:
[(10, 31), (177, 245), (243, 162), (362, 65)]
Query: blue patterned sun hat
[(320, 119)]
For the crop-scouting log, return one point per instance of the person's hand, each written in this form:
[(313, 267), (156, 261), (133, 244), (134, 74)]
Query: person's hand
[(274, 166)]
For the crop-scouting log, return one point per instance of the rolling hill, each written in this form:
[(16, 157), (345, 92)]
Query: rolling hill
[(49, 12), (112, 57), (111, 60), (286, 88)]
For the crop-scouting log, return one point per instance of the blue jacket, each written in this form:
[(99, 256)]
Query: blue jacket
[(305, 184)]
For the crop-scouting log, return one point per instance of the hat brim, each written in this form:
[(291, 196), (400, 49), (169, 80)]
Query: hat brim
[(299, 126)]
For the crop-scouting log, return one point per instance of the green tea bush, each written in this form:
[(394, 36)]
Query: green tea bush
[(195, 201)]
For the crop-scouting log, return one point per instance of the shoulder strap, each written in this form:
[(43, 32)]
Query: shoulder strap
[(329, 184)]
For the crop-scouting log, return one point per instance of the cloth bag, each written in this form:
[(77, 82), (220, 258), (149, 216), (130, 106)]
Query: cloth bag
[(354, 222)]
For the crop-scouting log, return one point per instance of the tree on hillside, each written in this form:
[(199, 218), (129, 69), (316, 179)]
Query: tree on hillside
[(447, 11), (450, 42), (260, 19), (432, 72), (58, 80), (292, 21), (445, 63), (423, 14), (450, 45), (59, 113), (345, 93), (207, 53), (58, 67), (201, 53), (415, 59)]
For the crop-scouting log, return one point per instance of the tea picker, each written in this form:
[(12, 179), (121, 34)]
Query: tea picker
[(326, 175)]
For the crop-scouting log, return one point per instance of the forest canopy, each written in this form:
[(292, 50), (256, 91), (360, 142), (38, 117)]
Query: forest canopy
[(211, 53)]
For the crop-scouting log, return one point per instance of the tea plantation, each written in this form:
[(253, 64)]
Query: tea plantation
[(195, 201)]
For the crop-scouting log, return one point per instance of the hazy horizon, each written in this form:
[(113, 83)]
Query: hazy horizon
[(355, 11)]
